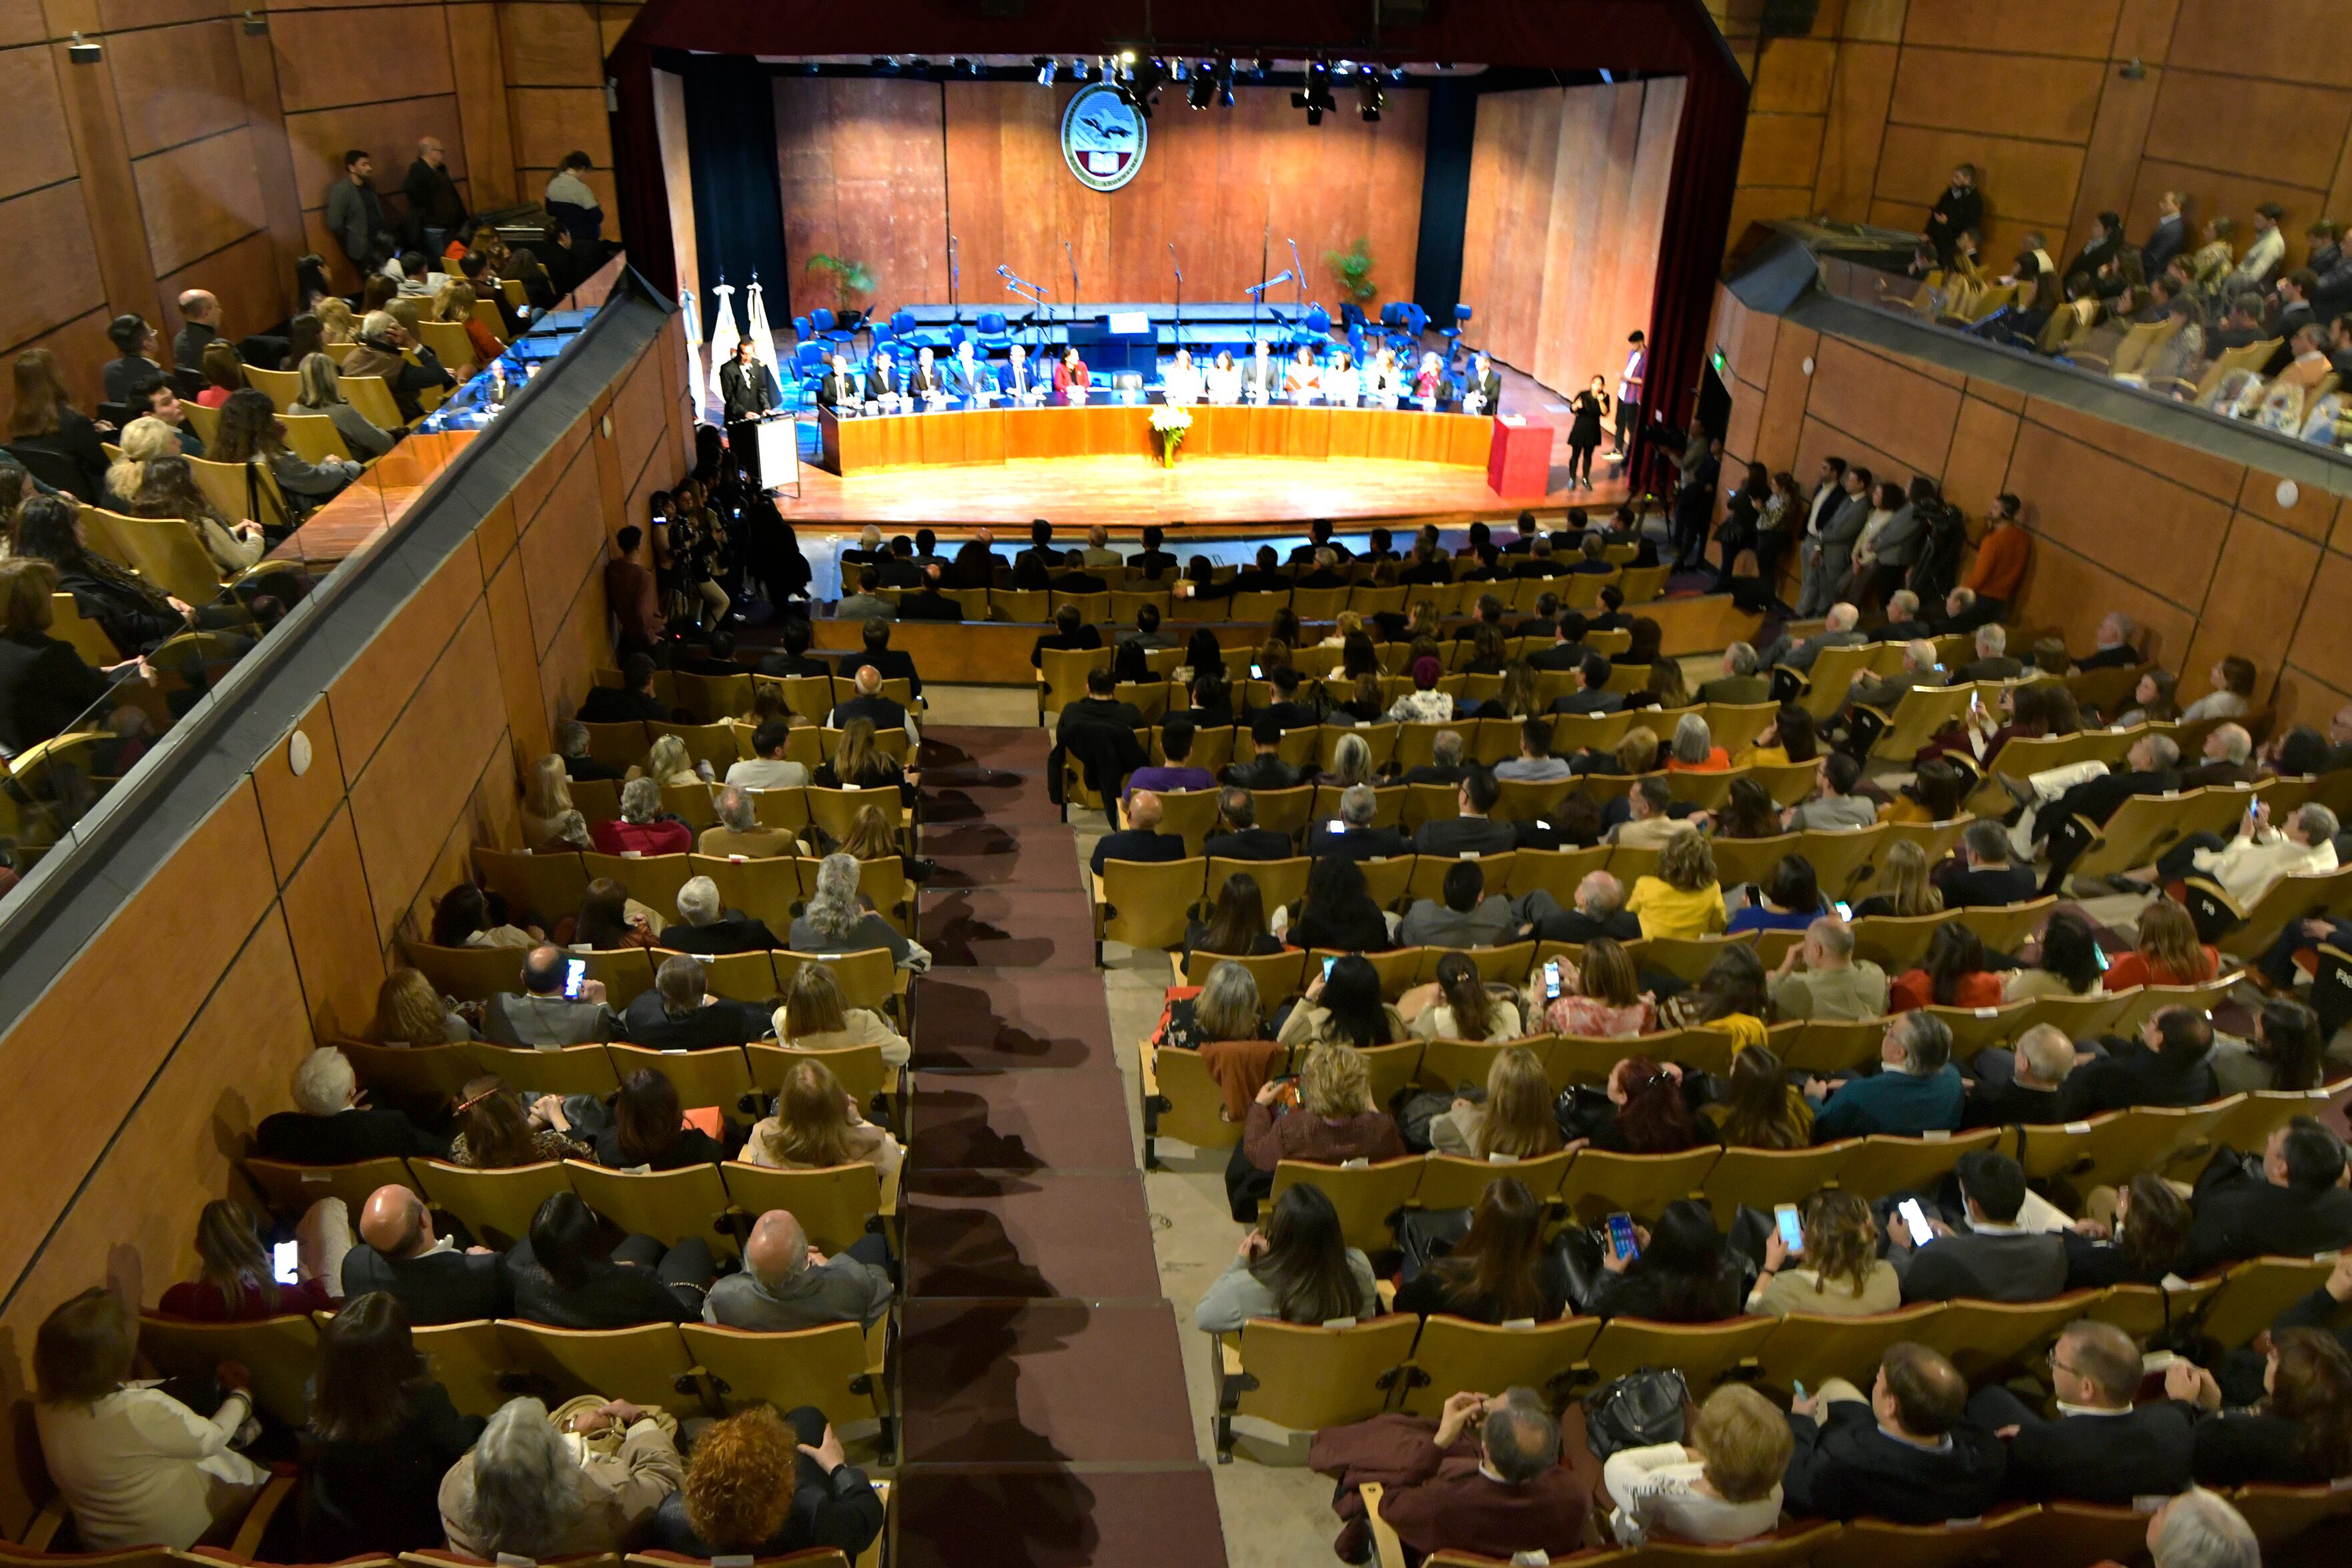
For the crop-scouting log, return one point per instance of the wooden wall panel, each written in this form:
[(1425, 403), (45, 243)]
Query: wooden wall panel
[(32, 123), (551, 43), (367, 699), (294, 807), (327, 59), (488, 134), (562, 542), (178, 84), (2282, 133), (333, 924), (40, 299), (198, 198), (2079, 27)]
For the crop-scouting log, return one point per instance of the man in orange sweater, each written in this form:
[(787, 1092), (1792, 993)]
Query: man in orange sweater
[(1999, 569)]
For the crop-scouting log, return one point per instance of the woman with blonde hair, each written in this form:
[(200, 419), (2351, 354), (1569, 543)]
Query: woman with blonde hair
[(233, 1282), (154, 480), (1907, 892), (1459, 1006), (1517, 699), (546, 796), (1336, 1121), (668, 762), (1602, 998), (815, 1014), (320, 391), (336, 322), (815, 1126), (409, 1011), (457, 306), (858, 763), (1342, 624), (1841, 1276), (1721, 1484), (871, 836), (1683, 897), (1516, 1118)]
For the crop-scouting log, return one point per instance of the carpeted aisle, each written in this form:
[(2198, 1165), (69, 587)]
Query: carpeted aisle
[(1041, 1373)]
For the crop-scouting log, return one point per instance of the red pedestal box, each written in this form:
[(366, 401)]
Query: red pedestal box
[(1518, 464)]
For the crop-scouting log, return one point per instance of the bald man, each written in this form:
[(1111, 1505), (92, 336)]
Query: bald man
[(432, 1279), (868, 704), (788, 1283)]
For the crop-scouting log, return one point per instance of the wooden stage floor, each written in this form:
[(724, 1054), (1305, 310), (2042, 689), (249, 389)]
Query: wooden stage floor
[(1124, 493)]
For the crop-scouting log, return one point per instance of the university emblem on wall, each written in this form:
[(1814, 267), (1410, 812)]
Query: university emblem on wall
[(1103, 138)]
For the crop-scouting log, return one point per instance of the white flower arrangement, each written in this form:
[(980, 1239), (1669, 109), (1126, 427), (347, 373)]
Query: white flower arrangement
[(1169, 422)]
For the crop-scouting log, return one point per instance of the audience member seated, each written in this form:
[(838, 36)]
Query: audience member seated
[(1599, 912), (2167, 952), (2232, 696), (2140, 1246), (1498, 1271), (1988, 879), (1266, 770), (1730, 997), (769, 769), (816, 1016), (1789, 899), (526, 1491), (1833, 982), (1994, 1259), (1954, 974), (1486, 1478), (496, 1131), (1760, 1109), (707, 926), (1739, 683), (609, 921), (1834, 802), (1470, 831), (234, 1281), (1592, 695), (44, 685), (2292, 1202), (134, 1466), (329, 1126), (2099, 1448), (680, 1014), (1649, 823), (250, 432), (1682, 898), (383, 1433), (2298, 1434), (816, 1125), (1682, 1273), (1352, 835), (1905, 1453), (1600, 996), (1838, 630), (643, 828), (2024, 1086), (1640, 1111), (568, 1274), (1465, 918), (2252, 861), (763, 1485), (1915, 1089), (1842, 1274), (2285, 1054), (1721, 1484), (786, 1284), (2069, 963), (2166, 1066), (1140, 840), (738, 832), (1693, 749), (2198, 1528), (409, 1011), (385, 347), (542, 1016), (1515, 1119), (837, 919), (1176, 773), (1338, 912), (1295, 1267), (1335, 1119)]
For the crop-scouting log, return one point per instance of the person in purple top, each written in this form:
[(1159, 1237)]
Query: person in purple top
[(1176, 773)]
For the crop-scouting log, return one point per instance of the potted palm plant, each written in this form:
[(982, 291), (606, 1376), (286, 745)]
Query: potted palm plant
[(850, 281)]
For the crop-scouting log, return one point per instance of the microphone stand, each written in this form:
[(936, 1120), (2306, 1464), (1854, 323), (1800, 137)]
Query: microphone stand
[(1071, 258), (955, 311), (1265, 270), (1300, 272)]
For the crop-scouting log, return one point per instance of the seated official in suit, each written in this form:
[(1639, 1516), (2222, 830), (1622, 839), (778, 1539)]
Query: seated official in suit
[(1905, 1453), (329, 1126), (1239, 838), (680, 1014), (1352, 836), (1465, 918), (1992, 1259), (869, 704), (892, 663), (2099, 1447), (2115, 649), (1141, 838), (1470, 831), (1992, 662), (1593, 694), (434, 1279), (632, 700), (2296, 1207), (706, 925)]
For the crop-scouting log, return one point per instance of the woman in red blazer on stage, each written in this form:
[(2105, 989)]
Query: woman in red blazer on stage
[(1071, 371)]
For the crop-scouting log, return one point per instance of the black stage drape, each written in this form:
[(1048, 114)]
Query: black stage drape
[(739, 209), (1444, 200)]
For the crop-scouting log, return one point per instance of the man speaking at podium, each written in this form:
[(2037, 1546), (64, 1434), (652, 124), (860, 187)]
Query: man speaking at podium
[(748, 388)]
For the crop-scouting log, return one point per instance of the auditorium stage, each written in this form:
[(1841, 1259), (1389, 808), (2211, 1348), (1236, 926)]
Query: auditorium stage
[(1125, 492)]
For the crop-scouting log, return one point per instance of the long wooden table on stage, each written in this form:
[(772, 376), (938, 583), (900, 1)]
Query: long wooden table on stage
[(880, 442)]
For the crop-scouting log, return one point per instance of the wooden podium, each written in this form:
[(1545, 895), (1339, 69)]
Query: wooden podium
[(1520, 461)]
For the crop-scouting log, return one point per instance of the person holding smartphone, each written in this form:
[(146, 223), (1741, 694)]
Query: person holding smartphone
[(238, 1277), (559, 1005), (1835, 1270)]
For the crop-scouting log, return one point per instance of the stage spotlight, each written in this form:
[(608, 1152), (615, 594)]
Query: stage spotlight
[(1343, 69), (1045, 64), (1126, 56), (1257, 69), (1145, 77), (1180, 68), (883, 62), (1316, 96), (1370, 99), (1204, 91), (961, 66)]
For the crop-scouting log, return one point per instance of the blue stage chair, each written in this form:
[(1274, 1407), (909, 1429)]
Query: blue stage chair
[(1351, 316), (1453, 334), (992, 332), (800, 329), (902, 323), (821, 321), (1315, 331)]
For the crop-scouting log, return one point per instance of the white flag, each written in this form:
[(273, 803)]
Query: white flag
[(693, 351), (724, 335), (764, 338)]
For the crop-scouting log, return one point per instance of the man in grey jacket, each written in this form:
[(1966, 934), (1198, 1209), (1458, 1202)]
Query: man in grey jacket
[(1995, 1259), (1839, 630), (787, 1284), (1898, 545), (1468, 918), (1828, 560), (355, 215), (543, 1016)]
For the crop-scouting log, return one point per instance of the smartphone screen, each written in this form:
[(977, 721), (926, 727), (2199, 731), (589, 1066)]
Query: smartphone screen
[(2101, 954), (575, 971), (1256, 674), (1621, 1237), (1916, 1218), (1551, 978), (1336, 825), (1327, 967), (281, 1263), (1846, 910), (1792, 1234)]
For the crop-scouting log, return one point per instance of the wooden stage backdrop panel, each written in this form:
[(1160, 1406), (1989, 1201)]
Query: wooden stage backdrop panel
[(1568, 195), (882, 171)]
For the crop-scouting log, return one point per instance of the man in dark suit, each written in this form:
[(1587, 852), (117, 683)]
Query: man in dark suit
[(2298, 1207), (433, 1281), (882, 377), (1444, 765), (572, 742), (1905, 1453), (707, 926), (1286, 709), (632, 699), (1599, 912), (1545, 622), (1425, 567), (928, 603), (1470, 832), (893, 665), (1100, 705), (329, 1126), (1989, 881), (1151, 560), (2099, 1448), (976, 565), (2115, 649), (1262, 575), (868, 704), (1141, 838), (1240, 838), (1074, 578), (2166, 1066), (791, 657), (1958, 209), (1568, 649), (2169, 238), (1324, 571), (1041, 557), (925, 380), (2154, 768), (837, 386), (2107, 239), (1352, 836), (680, 1014), (1487, 382), (1992, 662), (746, 386), (1593, 694), (1318, 538), (1989, 1258), (1266, 770), (895, 565)]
